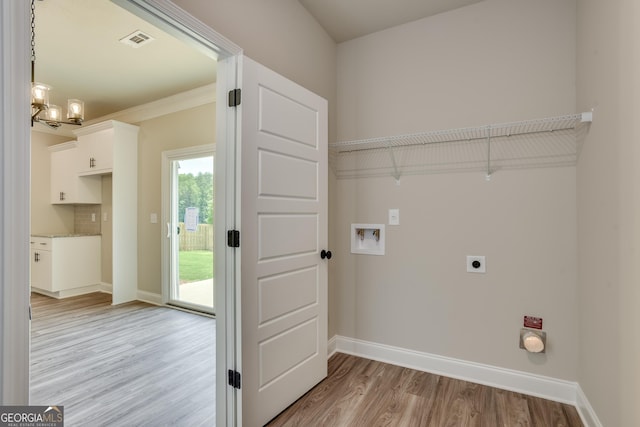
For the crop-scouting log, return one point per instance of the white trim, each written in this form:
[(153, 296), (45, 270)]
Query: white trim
[(150, 297), (587, 414), (331, 346), (105, 125), (507, 379), (107, 288), (15, 181), (67, 293), (182, 101), (227, 294)]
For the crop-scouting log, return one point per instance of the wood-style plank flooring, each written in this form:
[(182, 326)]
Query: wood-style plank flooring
[(133, 364), (362, 392)]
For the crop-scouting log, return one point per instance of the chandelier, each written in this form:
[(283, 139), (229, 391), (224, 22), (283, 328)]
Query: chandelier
[(41, 110)]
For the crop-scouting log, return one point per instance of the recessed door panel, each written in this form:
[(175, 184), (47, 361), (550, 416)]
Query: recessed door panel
[(286, 235), (284, 352), (286, 293), (284, 117), (287, 176)]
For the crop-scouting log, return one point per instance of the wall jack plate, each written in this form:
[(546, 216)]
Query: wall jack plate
[(476, 264)]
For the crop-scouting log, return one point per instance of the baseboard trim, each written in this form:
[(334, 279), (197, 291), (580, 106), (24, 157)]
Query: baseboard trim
[(587, 414), (150, 297), (67, 293), (507, 379), (107, 288), (331, 346)]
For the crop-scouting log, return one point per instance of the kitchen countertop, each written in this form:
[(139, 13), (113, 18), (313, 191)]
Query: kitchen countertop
[(57, 235)]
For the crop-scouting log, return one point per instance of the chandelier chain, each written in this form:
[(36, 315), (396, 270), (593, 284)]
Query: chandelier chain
[(33, 31), (40, 93)]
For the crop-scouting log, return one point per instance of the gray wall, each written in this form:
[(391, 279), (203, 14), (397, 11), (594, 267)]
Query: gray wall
[(492, 62), (609, 209), (279, 34), (183, 129)]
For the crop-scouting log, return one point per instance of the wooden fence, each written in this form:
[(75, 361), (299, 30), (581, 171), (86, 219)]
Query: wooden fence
[(199, 240)]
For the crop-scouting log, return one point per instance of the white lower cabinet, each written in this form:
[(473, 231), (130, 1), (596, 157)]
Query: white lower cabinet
[(41, 263), (65, 262)]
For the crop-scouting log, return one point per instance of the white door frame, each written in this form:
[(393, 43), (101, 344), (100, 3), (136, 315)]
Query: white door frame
[(177, 22), (15, 191), (168, 157), (15, 150)]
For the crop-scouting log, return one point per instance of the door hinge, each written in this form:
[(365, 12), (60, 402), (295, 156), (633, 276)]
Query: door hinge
[(235, 97), (235, 380), (233, 238)]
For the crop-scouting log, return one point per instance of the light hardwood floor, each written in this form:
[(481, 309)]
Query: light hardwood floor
[(133, 364), (361, 392), (140, 365)]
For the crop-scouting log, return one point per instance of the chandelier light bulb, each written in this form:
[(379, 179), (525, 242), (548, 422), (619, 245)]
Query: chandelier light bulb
[(40, 94), (53, 113), (75, 110)]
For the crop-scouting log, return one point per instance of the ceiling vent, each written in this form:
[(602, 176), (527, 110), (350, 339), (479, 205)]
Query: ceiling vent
[(137, 39)]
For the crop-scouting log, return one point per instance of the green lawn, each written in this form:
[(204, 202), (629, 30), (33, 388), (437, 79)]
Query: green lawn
[(195, 265)]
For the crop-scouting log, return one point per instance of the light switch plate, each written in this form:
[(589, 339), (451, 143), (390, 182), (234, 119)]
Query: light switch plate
[(394, 216), (154, 218)]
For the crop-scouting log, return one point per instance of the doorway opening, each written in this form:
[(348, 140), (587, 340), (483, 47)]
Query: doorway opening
[(190, 225), (187, 117), (17, 141)]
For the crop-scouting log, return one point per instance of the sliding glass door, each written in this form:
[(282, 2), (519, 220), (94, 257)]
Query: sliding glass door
[(190, 231)]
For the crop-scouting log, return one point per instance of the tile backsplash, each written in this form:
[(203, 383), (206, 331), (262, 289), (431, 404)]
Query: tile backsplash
[(83, 219)]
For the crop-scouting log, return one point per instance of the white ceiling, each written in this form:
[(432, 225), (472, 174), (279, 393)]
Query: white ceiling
[(78, 51), (347, 19)]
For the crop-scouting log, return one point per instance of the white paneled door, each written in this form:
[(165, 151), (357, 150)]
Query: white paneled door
[(283, 232)]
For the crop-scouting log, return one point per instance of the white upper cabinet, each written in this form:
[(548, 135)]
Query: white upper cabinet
[(66, 186), (95, 150), (99, 144)]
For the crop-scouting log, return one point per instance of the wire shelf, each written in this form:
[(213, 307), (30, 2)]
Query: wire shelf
[(554, 141)]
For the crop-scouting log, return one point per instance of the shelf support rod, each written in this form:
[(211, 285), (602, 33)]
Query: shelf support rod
[(488, 176), (396, 173)]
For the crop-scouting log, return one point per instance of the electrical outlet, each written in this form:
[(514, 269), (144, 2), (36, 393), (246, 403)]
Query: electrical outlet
[(93, 217), (476, 264)]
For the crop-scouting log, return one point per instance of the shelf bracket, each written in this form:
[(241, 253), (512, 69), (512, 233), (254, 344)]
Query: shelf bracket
[(396, 173), (488, 176)]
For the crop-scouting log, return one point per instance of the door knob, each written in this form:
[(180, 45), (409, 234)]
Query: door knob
[(325, 254)]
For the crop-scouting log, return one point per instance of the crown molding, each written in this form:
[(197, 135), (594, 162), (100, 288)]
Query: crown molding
[(193, 98), (172, 104)]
